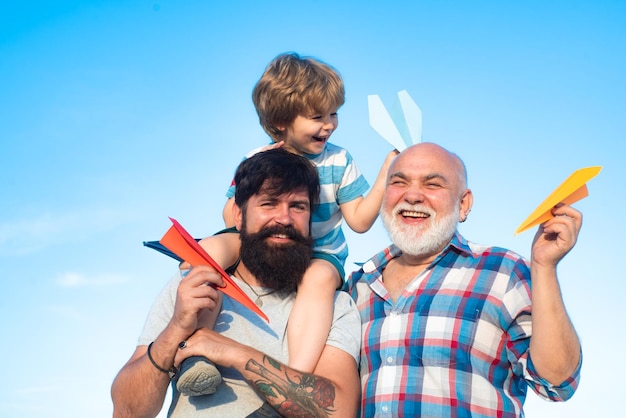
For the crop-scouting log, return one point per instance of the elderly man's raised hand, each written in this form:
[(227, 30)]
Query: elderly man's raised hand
[(556, 237)]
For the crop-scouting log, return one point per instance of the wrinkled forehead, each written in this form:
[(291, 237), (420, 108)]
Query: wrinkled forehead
[(429, 161)]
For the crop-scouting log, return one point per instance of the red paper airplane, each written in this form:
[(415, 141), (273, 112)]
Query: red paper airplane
[(178, 241)]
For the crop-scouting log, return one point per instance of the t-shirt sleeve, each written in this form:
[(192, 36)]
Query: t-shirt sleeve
[(161, 312), (345, 332), (353, 183)]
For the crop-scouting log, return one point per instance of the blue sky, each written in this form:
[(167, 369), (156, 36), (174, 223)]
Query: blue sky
[(115, 115)]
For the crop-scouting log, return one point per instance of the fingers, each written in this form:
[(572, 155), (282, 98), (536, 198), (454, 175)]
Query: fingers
[(210, 344), (196, 291), (390, 157), (273, 146), (203, 275), (557, 236), (566, 210), (567, 220), (199, 288), (195, 345)]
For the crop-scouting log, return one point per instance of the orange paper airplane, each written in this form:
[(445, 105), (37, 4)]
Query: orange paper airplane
[(178, 241), (571, 190)]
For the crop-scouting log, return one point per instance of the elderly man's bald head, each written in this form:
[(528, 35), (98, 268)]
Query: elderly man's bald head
[(429, 149)]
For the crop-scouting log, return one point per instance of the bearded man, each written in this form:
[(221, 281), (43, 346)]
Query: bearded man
[(452, 328), (275, 192)]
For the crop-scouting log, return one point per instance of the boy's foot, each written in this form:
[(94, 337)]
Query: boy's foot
[(198, 376)]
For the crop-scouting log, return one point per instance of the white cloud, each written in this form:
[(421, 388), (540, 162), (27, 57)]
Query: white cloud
[(72, 279), (26, 236), (35, 390)]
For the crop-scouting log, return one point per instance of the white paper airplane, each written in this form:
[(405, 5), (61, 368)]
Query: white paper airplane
[(403, 126)]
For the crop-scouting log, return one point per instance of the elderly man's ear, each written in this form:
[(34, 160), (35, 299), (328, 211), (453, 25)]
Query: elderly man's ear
[(467, 199)]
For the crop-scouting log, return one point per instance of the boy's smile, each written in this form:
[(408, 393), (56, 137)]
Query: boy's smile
[(309, 134)]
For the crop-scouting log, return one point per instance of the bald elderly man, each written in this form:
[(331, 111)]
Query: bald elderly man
[(452, 328)]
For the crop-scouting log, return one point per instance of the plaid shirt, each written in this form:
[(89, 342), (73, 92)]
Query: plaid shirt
[(455, 343)]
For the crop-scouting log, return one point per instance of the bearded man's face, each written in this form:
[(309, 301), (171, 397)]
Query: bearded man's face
[(276, 243)]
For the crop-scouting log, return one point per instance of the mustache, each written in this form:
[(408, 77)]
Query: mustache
[(277, 266), (288, 231)]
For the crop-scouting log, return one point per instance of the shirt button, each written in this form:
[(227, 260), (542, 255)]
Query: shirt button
[(389, 359), (385, 408)]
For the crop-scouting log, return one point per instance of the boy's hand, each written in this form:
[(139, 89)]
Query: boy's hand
[(273, 146), (389, 159)]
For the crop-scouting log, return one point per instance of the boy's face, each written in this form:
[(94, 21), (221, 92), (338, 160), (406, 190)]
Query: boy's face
[(308, 134)]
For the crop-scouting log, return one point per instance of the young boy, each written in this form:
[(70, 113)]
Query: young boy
[(297, 99)]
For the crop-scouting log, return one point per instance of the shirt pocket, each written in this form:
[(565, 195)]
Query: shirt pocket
[(447, 332)]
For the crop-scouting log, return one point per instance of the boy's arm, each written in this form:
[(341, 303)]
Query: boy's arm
[(223, 248), (361, 212), (227, 213)]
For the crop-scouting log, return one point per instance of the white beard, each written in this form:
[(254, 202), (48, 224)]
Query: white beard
[(420, 240)]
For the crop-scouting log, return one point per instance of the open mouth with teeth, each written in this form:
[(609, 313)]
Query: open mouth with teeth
[(320, 138), (280, 236), (413, 214), (279, 241)]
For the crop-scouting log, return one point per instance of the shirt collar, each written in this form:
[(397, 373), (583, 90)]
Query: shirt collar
[(457, 243), (461, 244)]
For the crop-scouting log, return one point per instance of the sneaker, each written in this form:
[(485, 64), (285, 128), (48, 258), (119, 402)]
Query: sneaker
[(198, 376)]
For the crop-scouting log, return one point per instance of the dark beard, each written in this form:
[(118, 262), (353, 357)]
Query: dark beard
[(277, 267)]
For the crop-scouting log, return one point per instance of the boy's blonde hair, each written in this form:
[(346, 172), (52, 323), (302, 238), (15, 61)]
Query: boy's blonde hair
[(293, 85)]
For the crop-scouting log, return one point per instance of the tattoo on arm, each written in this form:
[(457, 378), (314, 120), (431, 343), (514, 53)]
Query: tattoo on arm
[(290, 392)]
